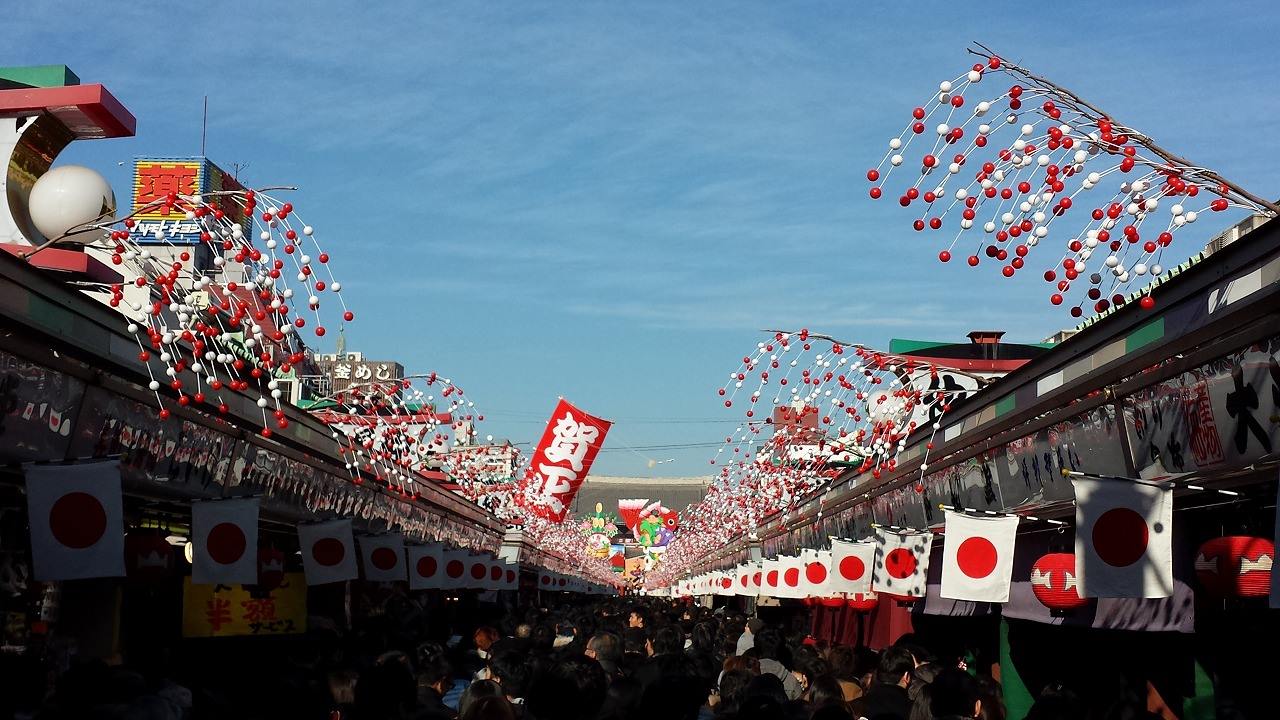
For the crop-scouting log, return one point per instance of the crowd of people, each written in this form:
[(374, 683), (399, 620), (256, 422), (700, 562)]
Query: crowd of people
[(615, 659)]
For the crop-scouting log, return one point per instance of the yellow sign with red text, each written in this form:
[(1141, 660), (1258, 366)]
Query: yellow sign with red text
[(227, 610)]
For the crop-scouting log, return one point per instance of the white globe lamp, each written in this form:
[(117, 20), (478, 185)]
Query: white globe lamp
[(71, 197)]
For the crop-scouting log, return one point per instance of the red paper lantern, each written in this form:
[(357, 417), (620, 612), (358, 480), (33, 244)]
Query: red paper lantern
[(862, 602), (1053, 580), (832, 602), (270, 568), (1236, 566), (148, 556)]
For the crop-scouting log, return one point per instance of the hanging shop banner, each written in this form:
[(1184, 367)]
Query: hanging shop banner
[(902, 562), (977, 559), (227, 610), (383, 557), (77, 525), (224, 542), (1124, 534), (562, 460)]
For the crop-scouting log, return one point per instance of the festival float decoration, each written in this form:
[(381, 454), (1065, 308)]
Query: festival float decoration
[(652, 524), (1236, 566), (599, 530), (1001, 155)]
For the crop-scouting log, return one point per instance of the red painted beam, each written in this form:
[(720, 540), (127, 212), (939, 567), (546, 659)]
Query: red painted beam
[(75, 262), (89, 111)]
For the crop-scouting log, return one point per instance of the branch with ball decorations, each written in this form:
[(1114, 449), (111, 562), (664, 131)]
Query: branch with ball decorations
[(839, 405), (1051, 155), (228, 334), (392, 429)]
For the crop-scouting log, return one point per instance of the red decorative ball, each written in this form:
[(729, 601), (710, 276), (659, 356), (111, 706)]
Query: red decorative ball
[(1147, 302), (945, 256), (973, 261), (1054, 582), (873, 175)]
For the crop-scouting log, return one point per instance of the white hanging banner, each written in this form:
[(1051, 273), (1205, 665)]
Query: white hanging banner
[(1124, 534), (328, 552), (851, 564), (426, 569), (770, 577), (383, 557), (77, 520), (977, 557), (902, 562), (455, 565), (815, 578), (224, 542), (791, 570)]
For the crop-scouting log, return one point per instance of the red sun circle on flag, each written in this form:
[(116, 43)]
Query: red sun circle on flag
[(726, 583), (383, 558), (772, 578), (454, 568), (755, 579), (976, 557), (495, 573), (1120, 537), (511, 576), (78, 520), (900, 563), (426, 566), (791, 577), (477, 571), (226, 543), (328, 551), (852, 568), (816, 573), (546, 580)]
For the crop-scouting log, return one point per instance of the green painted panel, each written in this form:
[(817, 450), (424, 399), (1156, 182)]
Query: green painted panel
[(1017, 698), (1144, 335), (901, 347), (38, 76), (1005, 404)]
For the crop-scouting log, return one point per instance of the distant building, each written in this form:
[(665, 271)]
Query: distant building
[(676, 493)]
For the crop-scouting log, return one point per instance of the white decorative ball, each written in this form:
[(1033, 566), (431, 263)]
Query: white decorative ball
[(1157, 270), (943, 128), (70, 196), (983, 107), (1177, 209), (1191, 216), (944, 86)]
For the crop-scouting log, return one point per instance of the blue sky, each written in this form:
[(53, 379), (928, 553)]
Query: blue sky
[(607, 200)]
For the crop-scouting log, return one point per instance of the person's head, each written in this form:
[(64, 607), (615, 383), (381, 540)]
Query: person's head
[(954, 692), (524, 630), (733, 688), (572, 689), (509, 669), (621, 699), (605, 648), (703, 637), (436, 673), (921, 676), (844, 663), (638, 618), (483, 700), (754, 625), (992, 697), (824, 690), (342, 686), (668, 640), (767, 685), (895, 667), (543, 637), (635, 640), (769, 644), (484, 638), (742, 662)]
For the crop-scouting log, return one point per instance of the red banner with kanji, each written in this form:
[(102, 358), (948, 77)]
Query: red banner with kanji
[(562, 460)]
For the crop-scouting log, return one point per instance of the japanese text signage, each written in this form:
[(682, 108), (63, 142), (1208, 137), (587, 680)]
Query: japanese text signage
[(154, 179), (344, 372), (562, 460), (225, 610)]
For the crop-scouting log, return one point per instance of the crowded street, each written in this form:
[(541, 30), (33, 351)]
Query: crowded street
[(648, 361)]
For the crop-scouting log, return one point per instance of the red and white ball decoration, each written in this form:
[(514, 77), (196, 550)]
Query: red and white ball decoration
[(1001, 154), (238, 323)]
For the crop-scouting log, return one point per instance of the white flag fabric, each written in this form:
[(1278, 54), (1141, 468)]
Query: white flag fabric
[(425, 566), (383, 557), (851, 564), (977, 558), (815, 578), (224, 542), (902, 562), (77, 521), (510, 575), (723, 583), (1123, 539), (328, 552), (745, 582), (792, 568), (770, 577)]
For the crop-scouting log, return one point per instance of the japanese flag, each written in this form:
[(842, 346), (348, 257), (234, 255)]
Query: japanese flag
[(328, 552), (1123, 534), (77, 527), (851, 565), (224, 542), (426, 566), (744, 582), (771, 578), (456, 563), (902, 562), (977, 558), (477, 577), (815, 574), (510, 575), (383, 557)]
